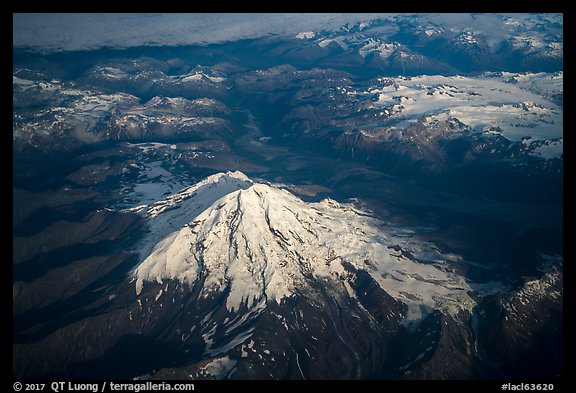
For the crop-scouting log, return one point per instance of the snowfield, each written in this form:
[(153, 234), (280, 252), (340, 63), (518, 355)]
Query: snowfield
[(515, 105)]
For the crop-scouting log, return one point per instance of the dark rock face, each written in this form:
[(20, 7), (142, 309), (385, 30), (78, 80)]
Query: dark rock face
[(332, 338), (522, 330)]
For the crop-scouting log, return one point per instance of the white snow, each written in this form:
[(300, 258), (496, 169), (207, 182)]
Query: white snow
[(260, 242), (198, 76), (241, 319), (431, 31), (150, 146), (21, 82), (239, 339), (536, 289), (86, 109), (193, 77), (166, 252), (542, 83), (220, 367), (550, 149), (467, 38), (153, 183), (383, 49), (363, 25), (306, 35), (298, 364), (482, 103)]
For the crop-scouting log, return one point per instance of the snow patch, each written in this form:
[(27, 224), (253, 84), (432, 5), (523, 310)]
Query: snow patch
[(306, 35), (221, 368), (550, 149)]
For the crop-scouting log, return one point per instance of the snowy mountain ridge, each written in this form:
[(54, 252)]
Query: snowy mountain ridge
[(256, 243), (514, 105), (175, 211)]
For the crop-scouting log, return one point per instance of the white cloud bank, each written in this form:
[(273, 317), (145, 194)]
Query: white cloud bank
[(48, 33), (70, 32)]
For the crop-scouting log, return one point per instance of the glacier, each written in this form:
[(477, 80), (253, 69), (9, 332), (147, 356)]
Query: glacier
[(261, 243)]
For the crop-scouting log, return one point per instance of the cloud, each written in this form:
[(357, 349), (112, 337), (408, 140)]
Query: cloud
[(48, 33), (497, 27)]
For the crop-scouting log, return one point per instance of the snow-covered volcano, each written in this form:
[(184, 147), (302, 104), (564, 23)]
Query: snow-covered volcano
[(258, 243), (241, 279), (260, 284)]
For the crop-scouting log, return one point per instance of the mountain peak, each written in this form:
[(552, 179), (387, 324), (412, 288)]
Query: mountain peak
[(258, 243)]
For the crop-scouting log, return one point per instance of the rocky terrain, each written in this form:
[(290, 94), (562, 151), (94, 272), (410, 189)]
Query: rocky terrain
[(382, 199)]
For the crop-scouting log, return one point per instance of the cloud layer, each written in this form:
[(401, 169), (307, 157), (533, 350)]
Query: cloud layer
[(47, 33), (69, 32)]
